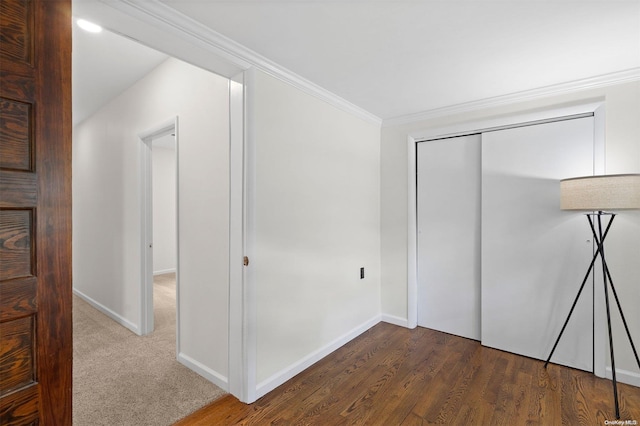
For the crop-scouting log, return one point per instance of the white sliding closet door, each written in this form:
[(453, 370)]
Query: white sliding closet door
[(535, 256), (448, 201)]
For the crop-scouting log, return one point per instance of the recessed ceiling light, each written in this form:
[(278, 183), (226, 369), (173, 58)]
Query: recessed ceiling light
[(89, 26)]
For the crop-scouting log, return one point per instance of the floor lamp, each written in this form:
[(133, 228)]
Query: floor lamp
[(600, 195)]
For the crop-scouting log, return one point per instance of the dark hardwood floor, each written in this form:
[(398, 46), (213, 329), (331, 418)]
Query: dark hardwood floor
[(394, 376)]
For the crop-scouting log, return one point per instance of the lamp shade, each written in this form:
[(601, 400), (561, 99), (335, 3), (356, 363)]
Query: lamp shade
[(607, 192)]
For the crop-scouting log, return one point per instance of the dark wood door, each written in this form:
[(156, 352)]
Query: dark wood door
[(35, 212)]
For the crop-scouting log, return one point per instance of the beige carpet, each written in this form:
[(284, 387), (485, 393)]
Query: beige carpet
[(120, 378)]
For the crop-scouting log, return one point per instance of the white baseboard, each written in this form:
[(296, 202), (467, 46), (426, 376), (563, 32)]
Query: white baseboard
[(108, 312), (287, 373), (217, 379), (164, 271), (624, 376), (392, 319)]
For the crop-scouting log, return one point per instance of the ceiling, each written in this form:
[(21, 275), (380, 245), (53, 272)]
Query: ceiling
[(104, 65), (394, 58)]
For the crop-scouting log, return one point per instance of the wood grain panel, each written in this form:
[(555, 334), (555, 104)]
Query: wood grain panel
[(15, 133), (17, 347), (16, 29), (52, 132), (21, 408), (16, 250), (17, 189), (14, 84), (35, 67), (17, 298)]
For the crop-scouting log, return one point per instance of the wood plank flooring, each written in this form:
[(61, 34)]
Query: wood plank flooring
[(394, 376)]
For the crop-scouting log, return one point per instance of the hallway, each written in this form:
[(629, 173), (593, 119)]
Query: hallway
[(120, 378)]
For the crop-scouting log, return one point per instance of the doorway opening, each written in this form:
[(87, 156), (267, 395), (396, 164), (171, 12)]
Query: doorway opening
[(221, 362), (159, 228)]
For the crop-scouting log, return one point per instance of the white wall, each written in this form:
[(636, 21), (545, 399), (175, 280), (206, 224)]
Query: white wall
[(622, 103), (317, 223), (107, 206), (164, 209)]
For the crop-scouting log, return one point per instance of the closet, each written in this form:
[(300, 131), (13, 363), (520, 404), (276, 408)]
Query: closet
[(498, 261)]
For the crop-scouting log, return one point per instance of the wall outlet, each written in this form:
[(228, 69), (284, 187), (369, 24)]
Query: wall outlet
[(361, 273)]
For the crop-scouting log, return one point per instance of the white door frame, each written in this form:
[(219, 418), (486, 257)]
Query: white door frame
[(242, 311), (552, 114), (145, 141)]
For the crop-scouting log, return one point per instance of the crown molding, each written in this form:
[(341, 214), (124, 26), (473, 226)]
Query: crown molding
[(620, 77), (166, 18)]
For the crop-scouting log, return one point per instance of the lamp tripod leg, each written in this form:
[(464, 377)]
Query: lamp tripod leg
[(613, 360), (624, 321), (575, 301), (606, 299), (584, 281)]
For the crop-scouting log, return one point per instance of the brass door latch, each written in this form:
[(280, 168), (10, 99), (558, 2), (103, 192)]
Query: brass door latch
[(246, 261)]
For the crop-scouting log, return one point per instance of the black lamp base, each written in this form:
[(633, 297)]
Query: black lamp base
[(599, 237)]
